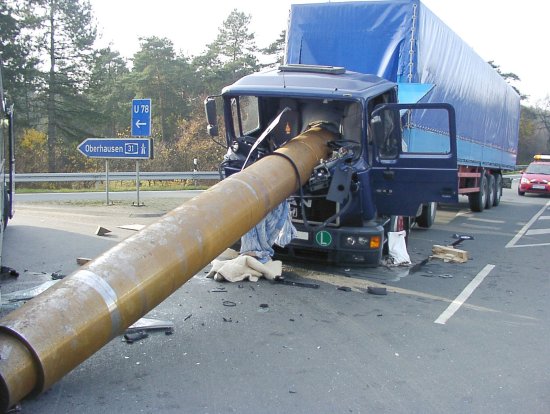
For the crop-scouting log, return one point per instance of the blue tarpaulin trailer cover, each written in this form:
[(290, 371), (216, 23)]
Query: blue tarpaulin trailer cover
[(404, 42)]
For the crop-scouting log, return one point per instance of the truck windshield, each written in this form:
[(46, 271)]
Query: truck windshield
[(245, 112)]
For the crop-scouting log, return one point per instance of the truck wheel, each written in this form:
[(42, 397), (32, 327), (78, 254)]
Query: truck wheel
[(490, 191), (498, 189), (427, 217), (479, 199)]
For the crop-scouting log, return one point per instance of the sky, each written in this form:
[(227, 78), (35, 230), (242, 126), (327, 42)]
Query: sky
[(511, 33)]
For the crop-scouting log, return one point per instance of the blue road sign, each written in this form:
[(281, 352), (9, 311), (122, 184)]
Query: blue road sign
[(141, 117), (127, 148)]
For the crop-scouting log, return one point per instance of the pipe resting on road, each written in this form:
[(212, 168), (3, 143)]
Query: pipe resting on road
[(52, 334)]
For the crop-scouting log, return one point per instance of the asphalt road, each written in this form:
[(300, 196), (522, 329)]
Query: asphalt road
[(453, 338)]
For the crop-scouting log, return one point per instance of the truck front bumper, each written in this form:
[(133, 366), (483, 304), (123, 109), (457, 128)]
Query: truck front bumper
[(342, 246)]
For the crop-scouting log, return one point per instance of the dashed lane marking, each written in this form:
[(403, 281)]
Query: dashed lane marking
[(487, 220)]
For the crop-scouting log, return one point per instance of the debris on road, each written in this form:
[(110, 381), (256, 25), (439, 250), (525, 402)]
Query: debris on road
[(81, 261), (460, 238), (26, 294), (398, 255), (133, 227), (57, 276), (102, 231), (283, 281), (380, 291), (132, 337), (229, 303), (6, 272), (419, 265), (244, 267), (449, 254), (149, 324), (344, 288)]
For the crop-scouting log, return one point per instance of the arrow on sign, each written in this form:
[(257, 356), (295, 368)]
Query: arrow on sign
[(140, 124)]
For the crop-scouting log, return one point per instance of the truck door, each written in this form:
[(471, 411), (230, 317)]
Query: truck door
[(415, 157)]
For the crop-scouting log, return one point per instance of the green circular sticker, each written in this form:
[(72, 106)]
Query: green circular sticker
[(323, 238)]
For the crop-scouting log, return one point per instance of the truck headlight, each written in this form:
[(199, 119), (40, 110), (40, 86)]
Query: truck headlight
[(351, 241)]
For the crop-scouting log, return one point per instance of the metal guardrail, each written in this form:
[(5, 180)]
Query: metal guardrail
[(116, 176)]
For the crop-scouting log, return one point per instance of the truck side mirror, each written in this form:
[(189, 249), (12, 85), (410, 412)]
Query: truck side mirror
[(211, 116)]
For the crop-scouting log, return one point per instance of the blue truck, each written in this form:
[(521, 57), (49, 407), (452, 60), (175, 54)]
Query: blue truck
[(421, 119)]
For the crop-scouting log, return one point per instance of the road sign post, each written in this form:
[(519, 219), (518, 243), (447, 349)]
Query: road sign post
[(141, 117)]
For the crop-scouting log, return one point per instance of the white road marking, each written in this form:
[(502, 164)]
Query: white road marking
[(544, 218), (524, 229), (531, 245), (464, 295), (487, 220), (536, 232)]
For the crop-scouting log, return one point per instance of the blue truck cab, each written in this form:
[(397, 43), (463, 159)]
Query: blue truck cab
[(371, 184), (400, 149)]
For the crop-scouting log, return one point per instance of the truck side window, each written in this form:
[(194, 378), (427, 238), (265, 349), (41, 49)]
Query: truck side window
[(246, 115), (385, 128)]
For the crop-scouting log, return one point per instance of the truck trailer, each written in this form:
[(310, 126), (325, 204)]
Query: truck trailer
[(420, 119)]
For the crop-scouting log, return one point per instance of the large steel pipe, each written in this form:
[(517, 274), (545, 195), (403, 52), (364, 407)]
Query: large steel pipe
[(53, 333)]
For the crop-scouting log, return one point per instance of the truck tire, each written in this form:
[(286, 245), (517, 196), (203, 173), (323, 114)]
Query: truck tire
[(490, 191), (498, 190), (427, 217), (479, 199)]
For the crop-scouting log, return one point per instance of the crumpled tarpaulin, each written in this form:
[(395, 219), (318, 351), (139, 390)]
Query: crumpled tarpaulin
[(256, 251), (244, 267), (275, 228)]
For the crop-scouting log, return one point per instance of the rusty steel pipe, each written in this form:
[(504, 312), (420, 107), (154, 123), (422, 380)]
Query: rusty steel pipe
[(50, 335)]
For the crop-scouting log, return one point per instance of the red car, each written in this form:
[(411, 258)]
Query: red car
[(536, 178)]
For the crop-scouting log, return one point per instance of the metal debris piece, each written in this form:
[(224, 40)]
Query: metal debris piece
[(133, 227), (460, 238), (227, 319), (418, 266), (229, 303), (344, 288), (377, 290), (82, 260), (220, 289), (283, 281), (27, 294), (57, 276), (149, 324), (8, 272), (102, 231), (132, 337), (264, 305)]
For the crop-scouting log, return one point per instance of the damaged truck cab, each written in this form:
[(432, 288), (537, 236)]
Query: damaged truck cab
[(371, 184)]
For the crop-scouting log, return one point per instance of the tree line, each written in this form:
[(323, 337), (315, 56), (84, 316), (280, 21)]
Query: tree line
[(65, 89)]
